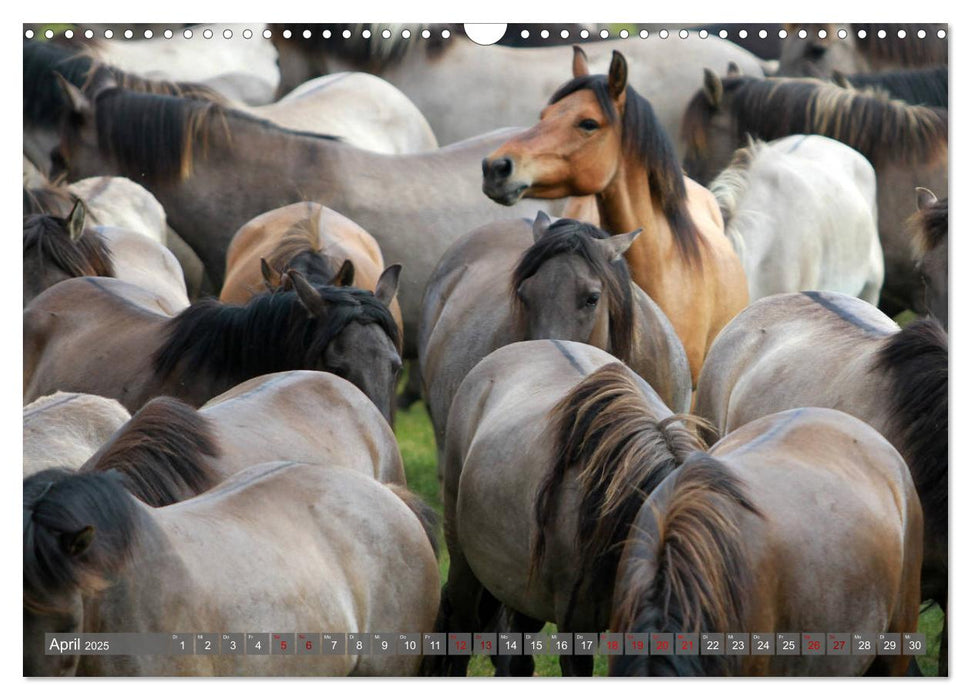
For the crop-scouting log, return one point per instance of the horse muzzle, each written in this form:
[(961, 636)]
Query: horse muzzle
[(498, 183)]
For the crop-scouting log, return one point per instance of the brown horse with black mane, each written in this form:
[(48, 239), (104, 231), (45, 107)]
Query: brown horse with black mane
[(835, 351), (906, 144), (598, 136), (208, 348), (753, 536)]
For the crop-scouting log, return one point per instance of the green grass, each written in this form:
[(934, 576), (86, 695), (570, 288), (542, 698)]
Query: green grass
[(417, 442)]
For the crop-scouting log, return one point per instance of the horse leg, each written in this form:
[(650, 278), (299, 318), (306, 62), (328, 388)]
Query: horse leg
[(942, 654), (465, 604), (518, 665), (575, 665), (411, 392)]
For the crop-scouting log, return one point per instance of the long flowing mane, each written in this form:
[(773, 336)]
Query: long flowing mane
[(700, 578), (159, 136), (882, 129), (569, 237), (916, 360), (44, 100), (162, 453), (272, 332), (47, 237), (645, 140), (605, 431), (921, 86), (929, 227), (58, 504)]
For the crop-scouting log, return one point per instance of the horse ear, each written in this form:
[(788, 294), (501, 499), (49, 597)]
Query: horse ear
[(309, 297), (344, 276), (839, 78), (541, 225), (713, 88), (615, 246), (75, 221), (925, 198), (75, 543), (580, 66), (79, 103), (387, 285), (617, 75), (733, 70), (267, 274)]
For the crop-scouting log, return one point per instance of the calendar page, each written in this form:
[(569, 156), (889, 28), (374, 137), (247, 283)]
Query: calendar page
[(567, 349)]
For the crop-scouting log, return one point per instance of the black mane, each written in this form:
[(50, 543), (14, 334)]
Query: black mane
[(59, 504), (645, 139), (159, 136), (916, 360), (272, 332), (569, 237)]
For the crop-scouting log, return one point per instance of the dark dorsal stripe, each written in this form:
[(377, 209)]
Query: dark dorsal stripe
[(831, 303)]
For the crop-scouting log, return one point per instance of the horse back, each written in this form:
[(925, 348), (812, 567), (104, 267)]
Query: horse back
[(67, 330)]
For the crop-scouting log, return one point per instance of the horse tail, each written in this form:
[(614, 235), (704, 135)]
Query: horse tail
[(606, 431), (162, 454), (425, 513), (701, 567)]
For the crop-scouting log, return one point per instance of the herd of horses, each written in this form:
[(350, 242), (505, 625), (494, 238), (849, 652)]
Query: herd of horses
[(671, 398)]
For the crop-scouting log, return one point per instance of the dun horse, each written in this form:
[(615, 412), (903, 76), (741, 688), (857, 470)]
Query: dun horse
[(208, 348), (309, 238), (98, 559), (197, 157), (598, 136), (507, 282), (566, 450), (65, 429), (302, 416), (906, 144), (835, 351), (57, 249), (751, 536), (801, 212)]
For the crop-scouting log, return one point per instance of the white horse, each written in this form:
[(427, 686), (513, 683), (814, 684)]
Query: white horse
[(243, 69), (64, 429), (801, 213), (465, 89)]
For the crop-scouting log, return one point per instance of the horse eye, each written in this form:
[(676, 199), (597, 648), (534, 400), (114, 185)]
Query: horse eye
[(589, 125), (593, 299), (815, 51)]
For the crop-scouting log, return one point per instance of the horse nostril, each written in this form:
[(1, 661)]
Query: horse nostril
[(498, 169)]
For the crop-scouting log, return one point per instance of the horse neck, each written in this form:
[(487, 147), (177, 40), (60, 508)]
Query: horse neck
[(626, 204)]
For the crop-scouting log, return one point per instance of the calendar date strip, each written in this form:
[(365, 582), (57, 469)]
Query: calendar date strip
[(489, 643)]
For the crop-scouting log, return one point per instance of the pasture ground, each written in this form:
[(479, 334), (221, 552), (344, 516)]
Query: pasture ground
[(417, 442)]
